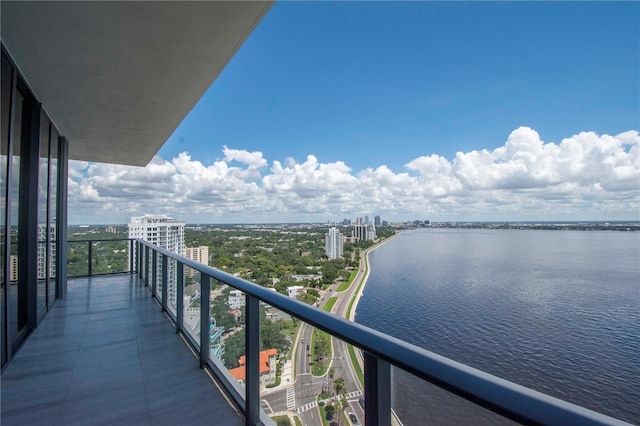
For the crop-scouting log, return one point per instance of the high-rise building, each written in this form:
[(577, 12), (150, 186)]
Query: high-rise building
[(164, 232), (363, 232), (199, 254), (13, 268), (376, 221), (45, 261), (333, 243)]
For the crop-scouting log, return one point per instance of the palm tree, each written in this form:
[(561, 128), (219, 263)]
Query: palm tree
[(331, 375), (341, 393)]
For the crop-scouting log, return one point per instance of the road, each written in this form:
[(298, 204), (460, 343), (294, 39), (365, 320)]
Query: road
[(302, 396)]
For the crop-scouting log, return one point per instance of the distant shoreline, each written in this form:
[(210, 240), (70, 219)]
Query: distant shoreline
[(363, 281)]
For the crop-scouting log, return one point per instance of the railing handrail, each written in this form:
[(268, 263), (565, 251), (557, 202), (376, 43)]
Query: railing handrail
[(100, 240), (501, 396)]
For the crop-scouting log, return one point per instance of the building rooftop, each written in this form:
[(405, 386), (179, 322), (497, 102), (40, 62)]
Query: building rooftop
[(239, 373)]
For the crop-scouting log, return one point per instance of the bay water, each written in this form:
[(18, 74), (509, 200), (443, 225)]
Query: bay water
[(555, 311)]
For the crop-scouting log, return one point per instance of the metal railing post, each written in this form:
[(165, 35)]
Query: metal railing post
[(89, 256), (205, 295), (377, 391), (252, 366), (146, 265), (164, 282), (179, 296), (131, 264), (154, 273), (140, 259)]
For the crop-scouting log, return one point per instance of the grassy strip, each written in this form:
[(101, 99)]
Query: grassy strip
[(298, 421), (323, 415), (352, 353), (346, 284), (329, 305), (356, 364), (319, 368), (353, 299), (281, 420)]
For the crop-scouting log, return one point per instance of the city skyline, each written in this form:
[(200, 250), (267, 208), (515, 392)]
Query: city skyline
[(393, 110)]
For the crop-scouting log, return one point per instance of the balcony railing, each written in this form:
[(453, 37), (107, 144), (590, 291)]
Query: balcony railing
[(163, 272), (86, 258)]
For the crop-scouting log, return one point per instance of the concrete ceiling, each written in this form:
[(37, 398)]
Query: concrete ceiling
[(117, 78)]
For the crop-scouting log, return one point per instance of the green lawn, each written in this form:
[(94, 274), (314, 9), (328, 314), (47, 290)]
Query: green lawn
[(352, 354), (329, 305), (319, 368), (356, 364), (281, 420), (346, 284)]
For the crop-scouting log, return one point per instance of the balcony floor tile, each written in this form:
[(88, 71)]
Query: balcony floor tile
[(107, 355)]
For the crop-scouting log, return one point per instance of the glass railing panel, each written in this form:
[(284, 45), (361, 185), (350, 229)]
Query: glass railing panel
[(344, 381), (172, 286), (415, 401), (227, 330), (41, 301), (109, 257), (191, 311), (149, 260), (160, 278), (278, 334), (315, 375), (77, 258)]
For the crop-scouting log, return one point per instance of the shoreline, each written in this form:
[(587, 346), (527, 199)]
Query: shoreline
[(363, 282)]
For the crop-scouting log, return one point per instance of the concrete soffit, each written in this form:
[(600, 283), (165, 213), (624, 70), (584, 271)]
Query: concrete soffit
[(117, 78)]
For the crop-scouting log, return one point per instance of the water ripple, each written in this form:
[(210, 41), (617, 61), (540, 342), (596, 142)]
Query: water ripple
[(555, 311)]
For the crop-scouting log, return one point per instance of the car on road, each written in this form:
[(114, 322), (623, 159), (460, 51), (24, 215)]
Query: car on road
[(353, 418), (361, 401)]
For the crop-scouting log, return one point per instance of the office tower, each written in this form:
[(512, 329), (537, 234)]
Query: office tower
[(333, 243), (376, 221)]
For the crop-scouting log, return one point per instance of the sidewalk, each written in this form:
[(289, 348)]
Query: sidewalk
[(285, 379)]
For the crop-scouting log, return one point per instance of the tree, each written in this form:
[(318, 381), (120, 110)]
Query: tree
[(272, 337), (341, 393), (233, 349), (331, 375), (330, 410)]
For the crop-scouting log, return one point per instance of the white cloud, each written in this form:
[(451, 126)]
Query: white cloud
[(583, 177)]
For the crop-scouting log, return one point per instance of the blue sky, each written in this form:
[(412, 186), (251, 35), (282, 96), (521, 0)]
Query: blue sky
[(389, 95)]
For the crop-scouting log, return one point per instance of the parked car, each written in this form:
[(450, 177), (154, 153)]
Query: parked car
[(353, 418)]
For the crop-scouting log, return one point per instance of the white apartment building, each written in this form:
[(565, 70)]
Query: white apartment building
[(236, 299), (164, 232), (333, 243), (295, 290), (45, 262), (199, 254), (13, 268)]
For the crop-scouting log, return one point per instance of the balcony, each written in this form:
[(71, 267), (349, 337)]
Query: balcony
[(107, 355), (116, 350)]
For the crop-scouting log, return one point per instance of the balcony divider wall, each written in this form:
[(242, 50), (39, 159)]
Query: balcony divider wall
[(33, 200)]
